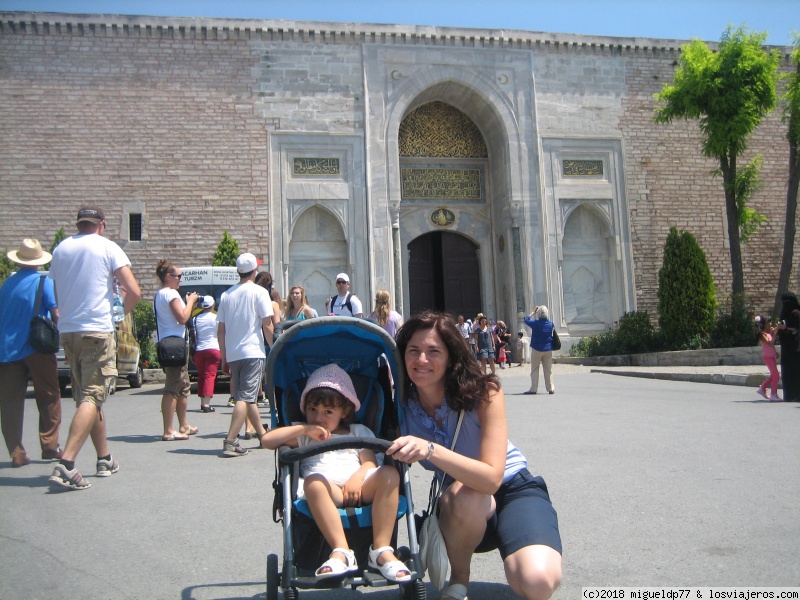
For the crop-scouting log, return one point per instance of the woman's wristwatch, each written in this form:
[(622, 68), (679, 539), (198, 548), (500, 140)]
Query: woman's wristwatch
[(430, 451)]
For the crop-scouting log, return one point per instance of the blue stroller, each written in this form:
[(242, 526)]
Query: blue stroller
[(370, 357)]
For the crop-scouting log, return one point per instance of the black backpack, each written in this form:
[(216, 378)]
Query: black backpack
[(346, 303)]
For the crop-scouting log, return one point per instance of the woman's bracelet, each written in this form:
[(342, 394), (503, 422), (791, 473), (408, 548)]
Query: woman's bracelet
[(430, 451)]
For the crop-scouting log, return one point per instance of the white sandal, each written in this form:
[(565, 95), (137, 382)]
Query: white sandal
[(338, 567), (456, 591), (390, 568)]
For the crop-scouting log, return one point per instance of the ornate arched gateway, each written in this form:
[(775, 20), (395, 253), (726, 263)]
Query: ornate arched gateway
[(443, 162), (444, 274)]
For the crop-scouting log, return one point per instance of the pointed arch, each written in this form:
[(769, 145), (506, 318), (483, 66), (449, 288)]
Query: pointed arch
[(588, 272), (317, 252)]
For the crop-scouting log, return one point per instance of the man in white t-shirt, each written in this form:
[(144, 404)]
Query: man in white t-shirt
[(345, 304), (83, 269), (244, 322)]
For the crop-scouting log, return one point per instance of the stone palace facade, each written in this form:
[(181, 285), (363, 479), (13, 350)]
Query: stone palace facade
[(460, 169)]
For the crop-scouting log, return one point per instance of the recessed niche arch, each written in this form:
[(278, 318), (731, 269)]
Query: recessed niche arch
[(317, 252), (587, 271)]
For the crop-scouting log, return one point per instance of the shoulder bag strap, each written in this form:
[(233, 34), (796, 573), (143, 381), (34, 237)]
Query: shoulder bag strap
[(155, 312), (436, 484), (38, 302)]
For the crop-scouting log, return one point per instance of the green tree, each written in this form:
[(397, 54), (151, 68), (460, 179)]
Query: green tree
[(729, 91), (57, 239), (791, 116), (227, 252), (145, 319), (686, 294), (7, 266)]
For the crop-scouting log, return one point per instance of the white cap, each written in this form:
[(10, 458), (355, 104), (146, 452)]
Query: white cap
[(246, 263), (208, 302), (343, 276)]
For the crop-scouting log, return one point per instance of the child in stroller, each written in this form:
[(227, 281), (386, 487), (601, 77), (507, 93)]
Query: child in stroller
[(343, 478)]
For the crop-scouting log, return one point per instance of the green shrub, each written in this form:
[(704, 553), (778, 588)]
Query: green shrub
[(145, 320), (734, 325), (57, 239), (686, 294), (7, 267), (227, 252), (635, 334)]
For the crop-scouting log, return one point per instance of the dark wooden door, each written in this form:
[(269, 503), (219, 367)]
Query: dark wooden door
[(443, 274)]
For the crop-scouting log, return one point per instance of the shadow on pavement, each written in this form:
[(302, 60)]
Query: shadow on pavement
[(39, 481), (134, 439)]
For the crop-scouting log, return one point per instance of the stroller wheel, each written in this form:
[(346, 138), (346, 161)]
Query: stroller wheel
[(290, 594), (273, 577), (403, 553), (414, 590)]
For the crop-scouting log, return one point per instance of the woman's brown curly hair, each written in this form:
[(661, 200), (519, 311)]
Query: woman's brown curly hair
[(464, 383)]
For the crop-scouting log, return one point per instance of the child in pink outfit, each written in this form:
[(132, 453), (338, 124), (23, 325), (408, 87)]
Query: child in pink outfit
[(766, 335)]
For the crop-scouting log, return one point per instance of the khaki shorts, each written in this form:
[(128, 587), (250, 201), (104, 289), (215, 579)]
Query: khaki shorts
[(177, 382), (93, 364)]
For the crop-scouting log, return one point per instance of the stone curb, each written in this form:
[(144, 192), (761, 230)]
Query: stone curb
[(752, 380), (712, 357), (154, 376)]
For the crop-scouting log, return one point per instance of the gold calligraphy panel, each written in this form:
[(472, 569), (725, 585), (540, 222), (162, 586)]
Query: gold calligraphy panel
[(315, 166), (583, 168), (441, 184), (437, 129)]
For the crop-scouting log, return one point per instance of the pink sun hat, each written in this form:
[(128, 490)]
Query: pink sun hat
[(333, 377)]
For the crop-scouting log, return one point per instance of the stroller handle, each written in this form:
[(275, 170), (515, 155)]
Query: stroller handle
[(287, 456)]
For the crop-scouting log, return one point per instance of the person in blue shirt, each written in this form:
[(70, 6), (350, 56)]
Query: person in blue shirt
[(541, 348), (19, 362)]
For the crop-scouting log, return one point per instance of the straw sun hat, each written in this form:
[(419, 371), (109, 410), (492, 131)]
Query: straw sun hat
[(30, 253)]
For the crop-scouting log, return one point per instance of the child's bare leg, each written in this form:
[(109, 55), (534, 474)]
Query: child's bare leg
[(323, 498), (382, 490)]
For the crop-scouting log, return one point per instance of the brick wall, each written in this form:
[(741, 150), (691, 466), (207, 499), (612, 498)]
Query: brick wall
[(669, 184), (176, 119), (111, 120)]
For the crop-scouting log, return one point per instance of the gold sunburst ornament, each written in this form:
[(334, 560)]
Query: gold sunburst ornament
[(443, 217)]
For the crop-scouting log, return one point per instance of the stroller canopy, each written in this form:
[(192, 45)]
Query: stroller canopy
[(357, 346)]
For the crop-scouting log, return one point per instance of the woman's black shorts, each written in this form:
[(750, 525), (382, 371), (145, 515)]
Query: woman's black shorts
[(524, 517)]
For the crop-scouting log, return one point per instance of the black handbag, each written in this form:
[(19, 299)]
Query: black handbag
[(44, 334), (556, 343), (173, 350)]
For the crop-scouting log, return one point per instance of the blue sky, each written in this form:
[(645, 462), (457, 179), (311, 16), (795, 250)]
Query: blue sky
[(671, 19)]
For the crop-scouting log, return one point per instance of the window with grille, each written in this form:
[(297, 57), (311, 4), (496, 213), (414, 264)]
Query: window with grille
[(135, 227)]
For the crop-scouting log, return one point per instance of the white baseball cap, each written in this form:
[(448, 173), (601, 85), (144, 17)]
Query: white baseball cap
[(343, 276), (246, 263), (208, 302)]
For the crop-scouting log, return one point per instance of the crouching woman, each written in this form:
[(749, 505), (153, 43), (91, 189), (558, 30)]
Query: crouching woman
[(485, 473)]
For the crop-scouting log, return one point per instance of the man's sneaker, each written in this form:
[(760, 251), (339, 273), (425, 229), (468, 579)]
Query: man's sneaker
[(232, 448), (105, 468), (231, 401), (71, 480), (261, 401)]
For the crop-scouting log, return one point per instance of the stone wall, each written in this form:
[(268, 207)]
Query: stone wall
[(171, 118), (669, 183), (164, 127)]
